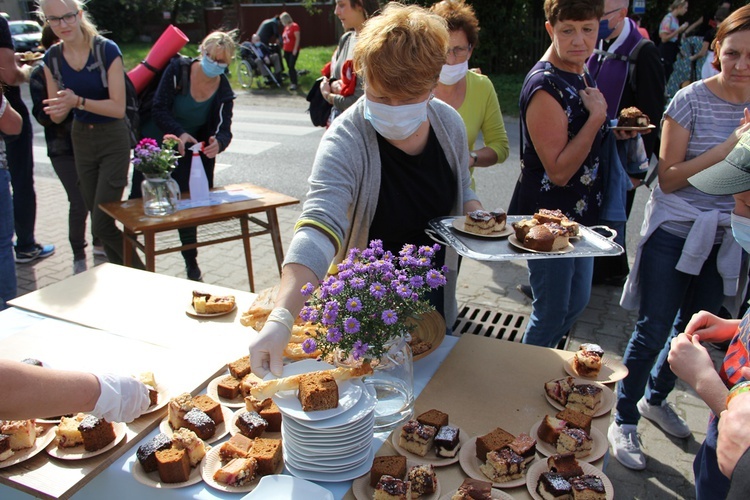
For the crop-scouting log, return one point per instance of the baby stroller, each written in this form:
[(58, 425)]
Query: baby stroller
[(251, 67)]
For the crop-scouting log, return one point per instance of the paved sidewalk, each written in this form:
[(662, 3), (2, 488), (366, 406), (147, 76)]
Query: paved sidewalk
[(485, 285)]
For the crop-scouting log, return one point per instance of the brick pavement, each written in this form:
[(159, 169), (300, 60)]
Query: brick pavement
[(487, 285)]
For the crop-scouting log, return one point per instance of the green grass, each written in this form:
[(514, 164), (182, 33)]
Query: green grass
[(508, 87)]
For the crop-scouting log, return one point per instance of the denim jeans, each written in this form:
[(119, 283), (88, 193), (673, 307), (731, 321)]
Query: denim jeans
[(19, 149), (669, 298), (562, 288), (7, 258)]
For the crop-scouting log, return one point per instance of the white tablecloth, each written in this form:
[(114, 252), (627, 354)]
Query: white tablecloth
[(117, 482)]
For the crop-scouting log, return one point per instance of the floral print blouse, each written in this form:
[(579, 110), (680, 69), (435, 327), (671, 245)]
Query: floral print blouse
[(581, 198)]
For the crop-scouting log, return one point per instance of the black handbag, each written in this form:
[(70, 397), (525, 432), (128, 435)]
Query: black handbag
[(319, 109)]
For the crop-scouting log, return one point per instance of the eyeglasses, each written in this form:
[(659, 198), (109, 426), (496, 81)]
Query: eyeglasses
[(459, 52), (611, 12), (69, 18)]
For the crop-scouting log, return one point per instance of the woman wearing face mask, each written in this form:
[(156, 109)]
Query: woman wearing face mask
[(470, 93), (101, 139), (196, 110), (687, 259), (392, 162), (341, 86), (691, 362), (562, 118)]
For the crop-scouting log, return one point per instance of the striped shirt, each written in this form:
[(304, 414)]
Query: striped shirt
[(710, 121)]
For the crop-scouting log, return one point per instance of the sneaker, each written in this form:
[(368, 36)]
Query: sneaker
[(665, 417), (99, 251), (38, 252), (626, 445), (292, 87), (526, 291), (79, 266), (193, 272)]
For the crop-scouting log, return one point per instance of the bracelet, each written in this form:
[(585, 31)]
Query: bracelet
[(283, 316)]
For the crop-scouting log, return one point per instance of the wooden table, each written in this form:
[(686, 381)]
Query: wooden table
[(130, 214)]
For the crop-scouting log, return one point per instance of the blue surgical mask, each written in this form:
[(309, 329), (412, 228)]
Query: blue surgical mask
[(395, 122), (741, 231), (604, 29), (211, 68)]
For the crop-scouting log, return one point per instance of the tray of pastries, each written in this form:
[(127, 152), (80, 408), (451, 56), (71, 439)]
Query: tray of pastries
[(546, 234)]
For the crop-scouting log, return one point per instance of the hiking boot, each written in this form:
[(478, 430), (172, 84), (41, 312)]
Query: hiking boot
[(38, 252), (665, 417), (193, 272), (626, 445), (79, 266)]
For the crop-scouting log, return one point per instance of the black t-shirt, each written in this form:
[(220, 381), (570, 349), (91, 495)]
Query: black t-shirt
[(413, 190), (12, 93)]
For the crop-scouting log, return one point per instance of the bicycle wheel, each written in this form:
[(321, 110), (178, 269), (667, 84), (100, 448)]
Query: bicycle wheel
[(245, 74)]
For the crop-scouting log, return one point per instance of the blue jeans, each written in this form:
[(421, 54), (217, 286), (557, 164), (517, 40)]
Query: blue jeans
[(7, 258), (562, 288), (669, 298)]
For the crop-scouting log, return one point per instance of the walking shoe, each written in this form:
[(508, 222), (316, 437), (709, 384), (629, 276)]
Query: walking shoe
[(526, 291), (99, 251), (665, 417), (292, 87), (38, 252), (626, 445), (193, 272), (79, 266)]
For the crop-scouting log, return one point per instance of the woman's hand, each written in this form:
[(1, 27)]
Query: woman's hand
[(689, 360), (212, 148), (336, 87), (594, 102), (184, 139), (267, 349), (711, 327), (734, 439), (59, 107)]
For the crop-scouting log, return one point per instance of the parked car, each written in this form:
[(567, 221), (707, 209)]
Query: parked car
[(26, 35)]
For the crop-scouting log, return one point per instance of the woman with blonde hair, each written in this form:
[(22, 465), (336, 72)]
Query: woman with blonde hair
[(194, 102), (395, 155), (101, 138), (468, 92)]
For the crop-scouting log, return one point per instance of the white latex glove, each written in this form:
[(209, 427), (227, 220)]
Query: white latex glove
[(267, 348), (122, 399)]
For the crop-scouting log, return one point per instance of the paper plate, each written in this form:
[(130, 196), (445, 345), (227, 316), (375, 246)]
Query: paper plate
[(212, 463), (514, 241), (496, 495), (222, 429), (612, 370), (459, 225), (609, 399), (634, 129), (363, 491), (467, 457), (213, 391), (42, 440), (288, 488), (152, 479), (191, 312), (430, 328), (537, 469), (80, 453), (431, 457)]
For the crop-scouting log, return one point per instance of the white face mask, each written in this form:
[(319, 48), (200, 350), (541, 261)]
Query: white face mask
[(451, 74), (741, 231), (395, 122)]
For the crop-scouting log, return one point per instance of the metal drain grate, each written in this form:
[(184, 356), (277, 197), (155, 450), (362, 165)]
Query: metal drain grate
[(501, 325)]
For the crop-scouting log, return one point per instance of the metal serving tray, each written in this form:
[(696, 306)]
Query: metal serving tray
[(590, 244)]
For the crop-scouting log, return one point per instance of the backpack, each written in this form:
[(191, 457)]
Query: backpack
[(132, 119), (181, 85), (631, 60)]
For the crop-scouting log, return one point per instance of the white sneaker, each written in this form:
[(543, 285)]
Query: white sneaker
[(665, 417), (79, 266), (626, 445)]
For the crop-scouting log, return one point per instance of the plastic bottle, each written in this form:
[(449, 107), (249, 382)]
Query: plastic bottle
[(198, 182)]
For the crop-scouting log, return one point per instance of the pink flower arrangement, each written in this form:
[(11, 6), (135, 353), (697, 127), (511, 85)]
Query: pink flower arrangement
[(151, 159)]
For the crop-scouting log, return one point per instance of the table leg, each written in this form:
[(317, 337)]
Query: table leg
[(127, 248), (273, 223), (248, 253), (150, 244)]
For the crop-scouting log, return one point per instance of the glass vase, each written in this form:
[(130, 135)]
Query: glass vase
[(393, 381), (160, 195)]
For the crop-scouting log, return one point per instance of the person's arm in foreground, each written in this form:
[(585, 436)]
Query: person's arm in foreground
[(734, 440), (29, 391)]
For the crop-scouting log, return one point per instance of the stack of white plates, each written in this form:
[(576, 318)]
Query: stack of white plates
[(329, 445)]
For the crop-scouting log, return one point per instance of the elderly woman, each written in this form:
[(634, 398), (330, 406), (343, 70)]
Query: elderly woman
[(562, 118), (389, 164), (470, 93), (687, 259), (195, 102)]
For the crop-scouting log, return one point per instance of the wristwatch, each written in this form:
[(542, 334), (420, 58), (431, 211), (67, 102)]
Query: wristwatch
[(83, 103), (475, 156)]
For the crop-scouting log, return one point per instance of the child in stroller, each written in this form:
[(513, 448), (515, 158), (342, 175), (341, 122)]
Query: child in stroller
[(255, 59)]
